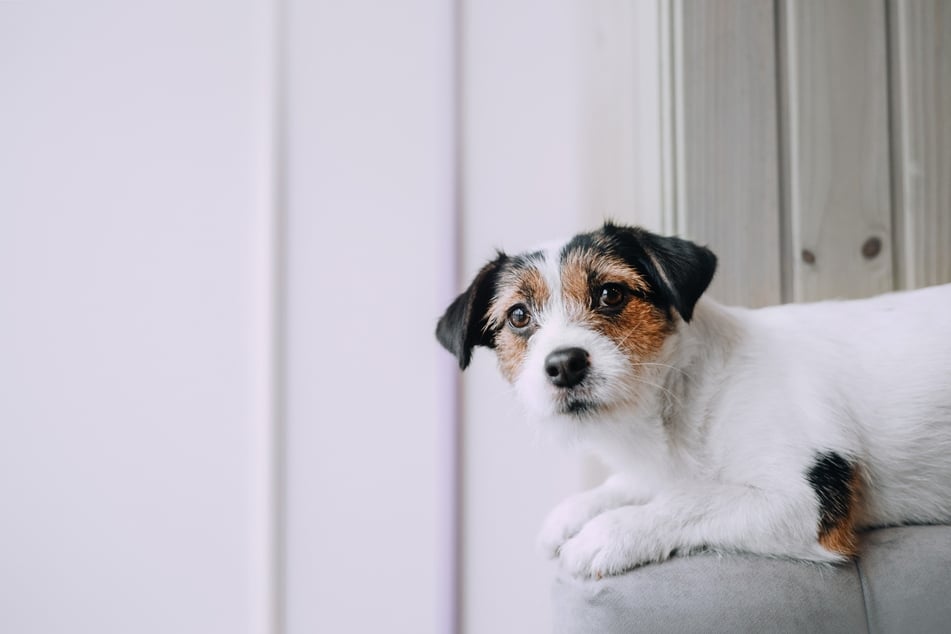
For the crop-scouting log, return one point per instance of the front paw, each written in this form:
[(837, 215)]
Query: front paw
[(612, 543), (563, 523)]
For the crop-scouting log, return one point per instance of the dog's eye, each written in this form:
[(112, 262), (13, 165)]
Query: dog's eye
[(611, 296), (519, 316)]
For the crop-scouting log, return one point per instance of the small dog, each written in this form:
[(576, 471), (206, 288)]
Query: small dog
[(782, 431)]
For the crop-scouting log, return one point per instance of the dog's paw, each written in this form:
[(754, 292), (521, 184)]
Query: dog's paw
[(563, 523), (610, 544)]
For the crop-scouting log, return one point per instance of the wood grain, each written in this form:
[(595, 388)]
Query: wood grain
[(727, 143), (836, 122), (921, 90)]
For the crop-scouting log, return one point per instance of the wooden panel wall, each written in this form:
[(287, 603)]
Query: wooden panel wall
[(921, 89), (811, 144), (727, 135), (836, 107)]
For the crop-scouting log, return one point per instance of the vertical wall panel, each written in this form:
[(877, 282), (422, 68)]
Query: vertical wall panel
[(620, 111), (838, 152), (369, 144), (728, 180), (135, 211), (921, 95)]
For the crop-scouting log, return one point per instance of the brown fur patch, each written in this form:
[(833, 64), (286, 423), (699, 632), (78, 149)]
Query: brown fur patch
[(511, 349), (841, 536), (837, 483), (520, 286), (640, 329)]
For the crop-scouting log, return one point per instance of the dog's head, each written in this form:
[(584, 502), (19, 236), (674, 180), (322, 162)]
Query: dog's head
[(577, 326)]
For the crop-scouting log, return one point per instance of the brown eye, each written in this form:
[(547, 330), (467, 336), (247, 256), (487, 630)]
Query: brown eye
[(611, 296), (519, 316)]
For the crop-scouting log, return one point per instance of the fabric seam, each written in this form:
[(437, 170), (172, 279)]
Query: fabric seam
[(865, 597)]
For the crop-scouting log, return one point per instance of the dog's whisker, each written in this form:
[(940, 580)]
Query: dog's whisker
[(662, 365), (618, 346), (670, 394)]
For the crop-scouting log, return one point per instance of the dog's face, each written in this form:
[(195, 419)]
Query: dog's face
[(577, 326)]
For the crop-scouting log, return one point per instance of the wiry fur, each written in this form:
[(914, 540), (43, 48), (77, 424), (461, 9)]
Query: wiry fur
[(781, 431)]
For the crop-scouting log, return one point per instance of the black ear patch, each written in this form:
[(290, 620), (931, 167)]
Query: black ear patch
[(678, 270), (463, 326)]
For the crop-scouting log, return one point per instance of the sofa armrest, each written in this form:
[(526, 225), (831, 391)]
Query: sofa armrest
[(902, 583)]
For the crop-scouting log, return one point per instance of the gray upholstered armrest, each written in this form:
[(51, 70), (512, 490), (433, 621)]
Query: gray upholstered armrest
[(902, 583)]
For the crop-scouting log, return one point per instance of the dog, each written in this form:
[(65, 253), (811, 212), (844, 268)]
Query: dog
[(783, 431)]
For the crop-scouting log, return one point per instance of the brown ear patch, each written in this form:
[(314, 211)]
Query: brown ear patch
[(837, 484)]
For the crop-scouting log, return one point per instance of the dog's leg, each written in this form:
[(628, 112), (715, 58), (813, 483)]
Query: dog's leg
[(566, 519), (722, 517)]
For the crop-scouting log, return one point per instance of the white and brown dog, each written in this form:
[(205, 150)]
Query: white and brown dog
[(781, 431)]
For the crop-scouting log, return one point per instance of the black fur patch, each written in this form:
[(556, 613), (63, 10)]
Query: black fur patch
[(464, 324), (831, 477), (526, 261)]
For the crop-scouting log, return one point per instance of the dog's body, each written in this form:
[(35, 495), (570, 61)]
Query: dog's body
[(781, 431)]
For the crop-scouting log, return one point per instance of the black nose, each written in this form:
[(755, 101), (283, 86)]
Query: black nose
[(566, 367)]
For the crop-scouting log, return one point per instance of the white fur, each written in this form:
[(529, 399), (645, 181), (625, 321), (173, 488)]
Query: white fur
[(711, 441)]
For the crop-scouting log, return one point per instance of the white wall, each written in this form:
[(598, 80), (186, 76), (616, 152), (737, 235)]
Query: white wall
[(133, 334), (369, 195), (226, 232)]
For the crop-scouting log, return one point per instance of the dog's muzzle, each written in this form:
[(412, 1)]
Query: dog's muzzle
[(567, 367)]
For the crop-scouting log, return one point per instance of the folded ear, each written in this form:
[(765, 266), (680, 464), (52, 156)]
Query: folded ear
[(464, 324), (679, 271)]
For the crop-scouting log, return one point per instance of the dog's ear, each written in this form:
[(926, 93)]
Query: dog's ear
[(464, 326), (679, 271)]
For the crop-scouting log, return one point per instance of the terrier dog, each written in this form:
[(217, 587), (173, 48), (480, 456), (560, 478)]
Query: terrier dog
[(781, 431)]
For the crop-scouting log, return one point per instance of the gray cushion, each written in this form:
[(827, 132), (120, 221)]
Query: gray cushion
[(902, 583), (907, 577)]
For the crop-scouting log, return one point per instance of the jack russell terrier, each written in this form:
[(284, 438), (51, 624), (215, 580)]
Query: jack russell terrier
[(782, 431)]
